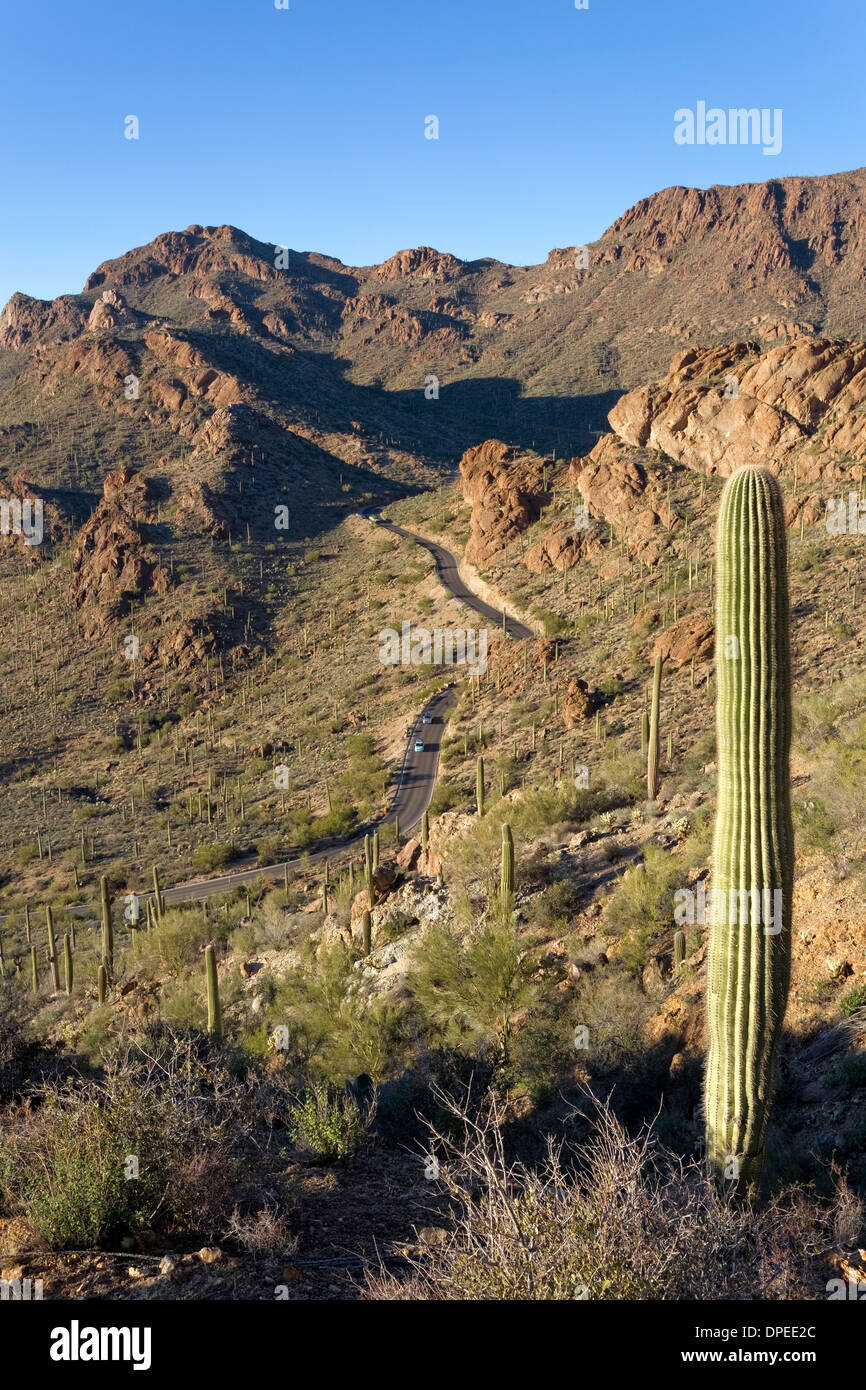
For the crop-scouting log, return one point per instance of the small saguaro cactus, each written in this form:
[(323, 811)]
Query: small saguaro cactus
[(375, 850), (67, 962), (214, 1009), (368, 870), (34, 970), (644, 732), (679, 949), (506, 873), (52, 950), (366, 932), (425, 831), (158, 898), (101, 983), (107, 932), (479, 786), (749, 959), (652, 763)]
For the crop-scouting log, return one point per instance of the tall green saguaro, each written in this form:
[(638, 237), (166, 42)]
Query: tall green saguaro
[(52, 950), (107, 932), (506, 871), (652, 762), (214, 1008), (479, 786), (749, 963)]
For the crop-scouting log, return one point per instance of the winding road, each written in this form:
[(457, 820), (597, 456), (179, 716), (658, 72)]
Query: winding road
[(448, 572), (417, 778)]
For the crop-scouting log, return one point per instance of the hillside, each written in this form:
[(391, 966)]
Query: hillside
[(168, 647)]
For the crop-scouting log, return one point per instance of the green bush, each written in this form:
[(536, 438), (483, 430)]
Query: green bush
[(853, 1000), (207, 857), (329, 1123), (152, 1144)]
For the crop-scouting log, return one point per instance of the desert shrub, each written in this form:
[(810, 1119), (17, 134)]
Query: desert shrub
[(552, 623), (336, 1030), (853, 1000), (446, 797), (207, 857), (339, 821), (64, 1162), (329, 1123), (556, 906), (620, 1218), (476, 984), (643, 904), (850, 1072)]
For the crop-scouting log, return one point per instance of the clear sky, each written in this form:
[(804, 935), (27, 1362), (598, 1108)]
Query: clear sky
[(306, 126)]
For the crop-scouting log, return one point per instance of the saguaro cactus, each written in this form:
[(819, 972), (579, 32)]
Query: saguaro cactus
[(506, 875), (214, 1009), (479, 786), (368, 870), (52, 950), (67, 962), (158, 899), (679, 949), (425, 831), (366, 932), (652, 761), (753, 851), (101, 983), (107, 932)]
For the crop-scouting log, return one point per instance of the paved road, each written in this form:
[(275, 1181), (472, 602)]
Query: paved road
[(449, 577), (411, 798), (418, 774)]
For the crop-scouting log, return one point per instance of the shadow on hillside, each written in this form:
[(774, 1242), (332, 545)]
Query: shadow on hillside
[(467, 411)]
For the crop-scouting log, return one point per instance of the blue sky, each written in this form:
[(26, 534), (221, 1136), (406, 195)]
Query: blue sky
[(306, 126)]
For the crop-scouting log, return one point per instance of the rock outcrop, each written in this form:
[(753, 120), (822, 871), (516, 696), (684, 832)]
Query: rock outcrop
[(719, 409), (505, 488), (112, 560)]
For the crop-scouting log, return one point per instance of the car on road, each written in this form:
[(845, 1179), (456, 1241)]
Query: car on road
[(419, 745), (426, 717)]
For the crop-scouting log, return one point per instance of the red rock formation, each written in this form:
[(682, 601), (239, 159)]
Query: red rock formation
[(111, 558), (504, 489)]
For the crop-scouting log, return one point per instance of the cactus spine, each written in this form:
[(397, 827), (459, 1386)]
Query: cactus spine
[(506, 875), (479, 786), (214, 1009), (753, 851), (679, 949), (652, 761), (107, 933)]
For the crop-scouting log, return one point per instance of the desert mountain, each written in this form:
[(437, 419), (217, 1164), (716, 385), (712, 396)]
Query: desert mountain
[(237, 342)]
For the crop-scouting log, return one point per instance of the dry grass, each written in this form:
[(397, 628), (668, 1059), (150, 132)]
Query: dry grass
[(618, 1218)]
